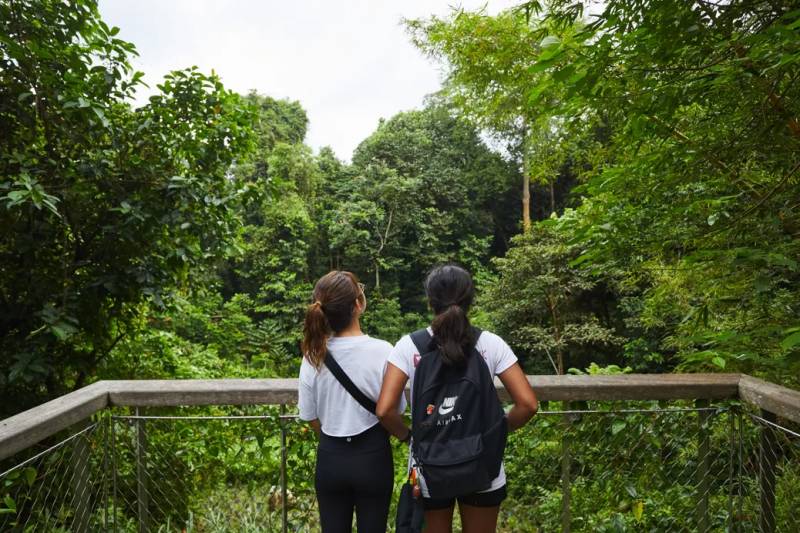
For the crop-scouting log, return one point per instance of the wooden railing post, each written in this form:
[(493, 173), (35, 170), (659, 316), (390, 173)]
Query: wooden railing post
[(142, 491), (703, 466), (766, 476)]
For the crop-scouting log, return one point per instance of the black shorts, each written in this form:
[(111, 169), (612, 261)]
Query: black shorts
[(476, 499)]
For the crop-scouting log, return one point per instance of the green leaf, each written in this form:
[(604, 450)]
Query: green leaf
[(549, 41), (10, 503), (578, 76), (791, 341), (719, 361), (551, 53), (566, 73), (102, 116), (762, 283), (541, 65), (30, 475), (588, 256)]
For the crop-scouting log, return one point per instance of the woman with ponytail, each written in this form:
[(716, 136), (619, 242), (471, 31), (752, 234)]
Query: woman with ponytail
[(450, 294), (354, 460)]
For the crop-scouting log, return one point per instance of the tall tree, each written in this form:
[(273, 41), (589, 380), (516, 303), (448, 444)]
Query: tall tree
[(686, 148), (446, 193), (277, 122), (558, 316), (489, 64), (103, 208), (692, 192)]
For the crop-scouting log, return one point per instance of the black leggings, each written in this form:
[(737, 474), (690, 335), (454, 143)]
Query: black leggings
[(354, 472)]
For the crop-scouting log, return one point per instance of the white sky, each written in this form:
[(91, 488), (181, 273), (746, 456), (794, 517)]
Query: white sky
[(348, 62)]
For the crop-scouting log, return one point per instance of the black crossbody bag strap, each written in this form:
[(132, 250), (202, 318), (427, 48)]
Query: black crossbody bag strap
[(348, 384)]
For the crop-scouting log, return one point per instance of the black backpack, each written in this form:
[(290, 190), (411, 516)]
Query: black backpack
[(458, 424)]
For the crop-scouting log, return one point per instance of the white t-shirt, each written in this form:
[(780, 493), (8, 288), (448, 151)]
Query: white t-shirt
[(495, 352), (322, 397)]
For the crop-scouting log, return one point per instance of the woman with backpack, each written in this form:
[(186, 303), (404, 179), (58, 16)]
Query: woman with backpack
[(459, 427), (340, 379)]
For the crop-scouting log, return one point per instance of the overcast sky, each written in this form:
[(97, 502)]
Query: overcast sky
[(348, 62)]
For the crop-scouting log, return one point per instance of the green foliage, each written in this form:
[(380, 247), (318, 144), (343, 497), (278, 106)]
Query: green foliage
[(426, 190), (559, 315), (685, 150), (273, 266), (696, 192), (634, 471), (280, 121), (489, 77), (182, 239), (271, 263), (386, 320), (106, 208), (203, 340)]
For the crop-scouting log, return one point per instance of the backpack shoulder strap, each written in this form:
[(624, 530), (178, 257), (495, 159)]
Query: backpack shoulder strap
[(423, 341), (348, 384), (476, 332)]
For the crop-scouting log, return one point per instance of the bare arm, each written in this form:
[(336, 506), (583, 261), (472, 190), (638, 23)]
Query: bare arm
[(394, 382), (316, 426), (525, 403)]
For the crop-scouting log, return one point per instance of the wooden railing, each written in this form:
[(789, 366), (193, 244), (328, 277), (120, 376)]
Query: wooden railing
[(765, 403), (34, 425)]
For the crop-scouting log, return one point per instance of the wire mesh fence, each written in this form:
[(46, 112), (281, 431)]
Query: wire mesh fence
[(645, 468), (654, 466), (768, 477), (234, 471), (60, 487)]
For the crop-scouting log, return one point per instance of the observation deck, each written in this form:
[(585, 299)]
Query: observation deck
[(672, 452)]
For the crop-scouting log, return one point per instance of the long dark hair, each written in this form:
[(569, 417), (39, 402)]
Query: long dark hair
[(333, 302), (450, 293)]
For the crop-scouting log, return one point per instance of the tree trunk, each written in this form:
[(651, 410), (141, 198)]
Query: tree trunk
[(526, 182), (552, 197), (526, 201)]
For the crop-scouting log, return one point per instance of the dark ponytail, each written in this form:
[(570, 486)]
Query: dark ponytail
[(316, 331), (450, 293), (334, 299)]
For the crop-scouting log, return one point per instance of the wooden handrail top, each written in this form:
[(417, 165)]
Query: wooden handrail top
[(29, 427), (153, 393)]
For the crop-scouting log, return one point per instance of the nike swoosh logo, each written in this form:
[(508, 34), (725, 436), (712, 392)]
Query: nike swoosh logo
[(445, 410)]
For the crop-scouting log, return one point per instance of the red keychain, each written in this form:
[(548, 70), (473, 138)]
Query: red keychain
[(416, 491)]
